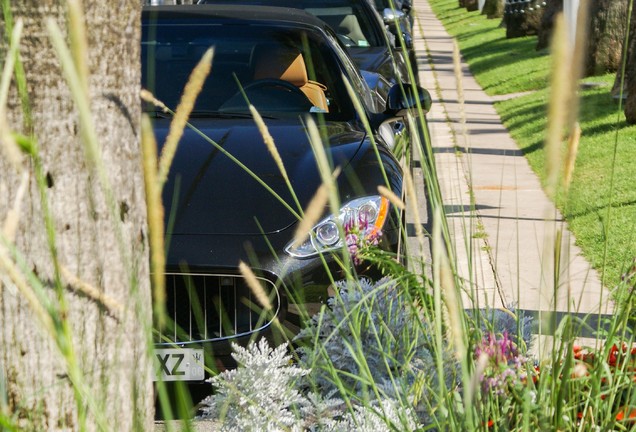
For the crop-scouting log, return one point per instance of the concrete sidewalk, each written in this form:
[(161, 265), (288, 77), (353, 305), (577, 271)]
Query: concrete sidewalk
[(505, 243)]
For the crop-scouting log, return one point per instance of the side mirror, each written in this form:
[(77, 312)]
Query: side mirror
[(390, 16), (402, 98), (408, 40), (395, 20)]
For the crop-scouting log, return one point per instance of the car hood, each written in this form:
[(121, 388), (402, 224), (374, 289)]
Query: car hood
[(209, 193), (373, 59)]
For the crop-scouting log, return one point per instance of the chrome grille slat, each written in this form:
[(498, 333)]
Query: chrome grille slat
[(208, 307), (189, 285), (236, 306), (250, 299), (220, 327), (205, 308), (174, 313)]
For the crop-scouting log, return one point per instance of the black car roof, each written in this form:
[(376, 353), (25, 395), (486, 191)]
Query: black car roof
[(285, 3), (287, 15)]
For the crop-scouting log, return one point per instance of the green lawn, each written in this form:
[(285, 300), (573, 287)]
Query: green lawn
[(601, 206), (500, 65)]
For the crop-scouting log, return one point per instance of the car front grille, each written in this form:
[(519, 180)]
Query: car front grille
[(211, 307)]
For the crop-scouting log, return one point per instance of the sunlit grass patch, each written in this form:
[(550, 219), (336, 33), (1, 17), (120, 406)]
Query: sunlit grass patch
[(500, 65)]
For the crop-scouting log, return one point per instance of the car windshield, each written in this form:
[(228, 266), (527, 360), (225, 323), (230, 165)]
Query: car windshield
[(350, 20), (282, 71), (354, 21)]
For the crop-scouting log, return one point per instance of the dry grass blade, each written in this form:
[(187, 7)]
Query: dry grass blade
[(79, 40), (113, 307), (155, 213), (392, 197), (7, 70), (149, 97), (480, 368), (182, 113), (570, 158), (9, 268), (323, 163), (8, 145), (314, 211), (255, 286), (453, 304), (269, 142), (444, 279), (13, 215), (80, 96)]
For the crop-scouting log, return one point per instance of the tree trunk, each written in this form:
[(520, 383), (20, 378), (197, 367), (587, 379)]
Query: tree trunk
[(471, 5), (544, 33), (608, 25), (630, 68), (89, 368), (493, 9), (522, 18), (630, 73)]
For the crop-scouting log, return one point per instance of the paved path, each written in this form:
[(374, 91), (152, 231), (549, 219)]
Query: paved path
[(505, 243)]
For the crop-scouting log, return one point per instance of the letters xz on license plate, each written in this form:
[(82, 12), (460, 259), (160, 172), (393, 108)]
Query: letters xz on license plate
[(179, 364)]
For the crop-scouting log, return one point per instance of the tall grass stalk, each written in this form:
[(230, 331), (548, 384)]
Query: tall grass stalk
[(255, 287), (155, 212), (324, 167), (312, 214), (78, 41), (559, 103), (15, 274), (9, 145), (570, 157), (365, 122), (10, 226), (20, 76), (182, 113)]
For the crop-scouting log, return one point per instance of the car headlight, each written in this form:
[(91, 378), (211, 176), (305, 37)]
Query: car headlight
[(363, 216)]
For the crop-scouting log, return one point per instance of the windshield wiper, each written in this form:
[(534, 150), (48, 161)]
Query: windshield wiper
[(225, 115), (159, 113), (208, 114)]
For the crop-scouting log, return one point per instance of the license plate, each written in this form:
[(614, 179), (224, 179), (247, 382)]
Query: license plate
[(179, 364)]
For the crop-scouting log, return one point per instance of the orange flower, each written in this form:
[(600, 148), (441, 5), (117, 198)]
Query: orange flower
[(631, 417)]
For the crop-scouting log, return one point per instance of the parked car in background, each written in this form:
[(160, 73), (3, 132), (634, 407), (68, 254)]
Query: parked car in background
[(398, 15), (403, 6), (358, 26), (289, 65)]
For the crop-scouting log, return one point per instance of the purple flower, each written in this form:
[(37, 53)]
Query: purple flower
[(505, 367), (358, 236)]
